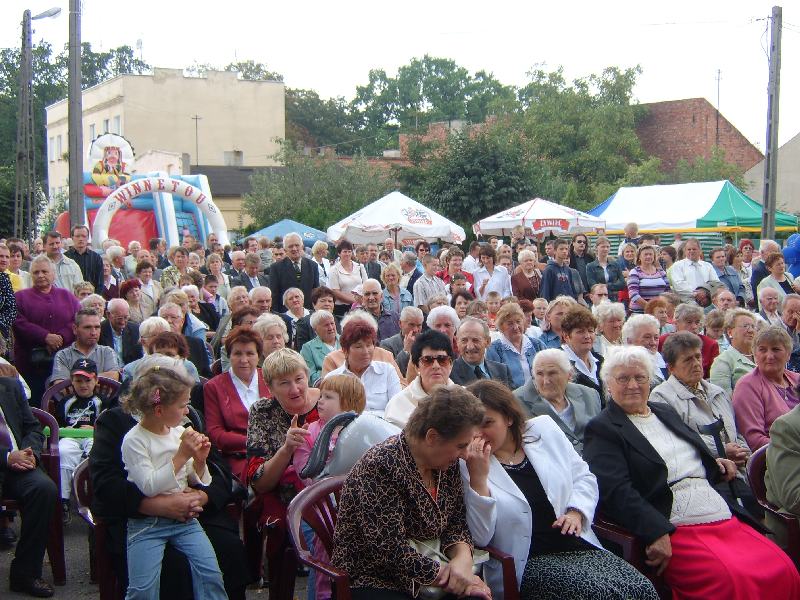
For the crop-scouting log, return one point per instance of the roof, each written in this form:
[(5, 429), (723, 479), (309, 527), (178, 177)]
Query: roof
[(229, 181)]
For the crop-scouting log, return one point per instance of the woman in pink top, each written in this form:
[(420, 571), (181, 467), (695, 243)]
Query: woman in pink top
[(769, 390)]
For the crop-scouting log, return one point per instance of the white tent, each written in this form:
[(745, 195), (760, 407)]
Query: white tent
[(395, 215), (539, 216)]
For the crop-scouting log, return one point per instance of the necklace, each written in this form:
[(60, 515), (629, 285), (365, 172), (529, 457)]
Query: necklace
[(645, 413), (511, 460)]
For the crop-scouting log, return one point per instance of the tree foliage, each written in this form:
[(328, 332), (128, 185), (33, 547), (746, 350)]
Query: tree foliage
[(315, 122), (315, 190), (714, 168)]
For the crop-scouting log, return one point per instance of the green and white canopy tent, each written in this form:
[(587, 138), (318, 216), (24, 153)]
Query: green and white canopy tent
[(717, 206)]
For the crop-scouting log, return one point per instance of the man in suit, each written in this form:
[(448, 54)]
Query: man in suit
[(119, 333), (473, 339), (251, 276), (410, 272), (236, 268), (294, 271), (21, 442), (411, 319)]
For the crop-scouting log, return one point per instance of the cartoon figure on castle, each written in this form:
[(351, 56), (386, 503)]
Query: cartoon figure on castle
[(114, 156)]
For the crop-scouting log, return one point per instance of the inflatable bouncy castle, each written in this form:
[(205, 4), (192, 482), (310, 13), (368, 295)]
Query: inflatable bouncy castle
[(129, 207)]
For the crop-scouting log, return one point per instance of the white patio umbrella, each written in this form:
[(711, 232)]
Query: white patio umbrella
[(539, 216), (395, 215)]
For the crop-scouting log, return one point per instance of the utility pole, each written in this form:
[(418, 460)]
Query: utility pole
[(771, 154), (196, 119), (25, 192), (75, 117)]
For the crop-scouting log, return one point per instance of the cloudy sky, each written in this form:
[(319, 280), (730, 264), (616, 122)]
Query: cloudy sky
[(330, 47)]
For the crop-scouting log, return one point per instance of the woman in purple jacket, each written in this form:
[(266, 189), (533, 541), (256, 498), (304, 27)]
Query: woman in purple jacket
[(45, 315)]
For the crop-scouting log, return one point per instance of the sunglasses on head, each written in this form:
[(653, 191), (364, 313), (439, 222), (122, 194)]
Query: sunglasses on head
[(442, 359)]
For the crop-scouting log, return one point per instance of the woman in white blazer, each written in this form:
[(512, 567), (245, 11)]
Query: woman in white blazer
[(530, 494)]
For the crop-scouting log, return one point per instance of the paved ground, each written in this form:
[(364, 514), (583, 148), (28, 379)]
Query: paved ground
[(78, 586)]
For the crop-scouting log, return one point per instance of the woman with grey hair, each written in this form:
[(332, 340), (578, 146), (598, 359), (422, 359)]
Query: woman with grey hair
[(444, 319), (736, 361), (643, 330), (551, 392), (203, 311), (149, 329), (656, 478), (689, 317), (610, 318), (96, 303), (326, 341), (273, 332)]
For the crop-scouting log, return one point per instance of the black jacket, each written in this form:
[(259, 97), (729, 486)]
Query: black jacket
[(582, 379), (25, 427), (282, 276), (198, 355), (131, 347), (91, 264), (244, 279), (632, 476), (464, 374)]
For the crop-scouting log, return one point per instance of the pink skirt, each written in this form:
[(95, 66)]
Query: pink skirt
[(729, 560)]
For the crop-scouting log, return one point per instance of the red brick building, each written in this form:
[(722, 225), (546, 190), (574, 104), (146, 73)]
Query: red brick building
[(677, 129)]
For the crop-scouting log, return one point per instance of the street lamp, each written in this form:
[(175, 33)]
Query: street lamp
[(25, 191)]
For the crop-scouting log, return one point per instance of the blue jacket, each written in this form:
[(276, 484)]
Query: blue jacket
[(551, 339), (406, 299), (498, 352), (556, 281), (731, 279)]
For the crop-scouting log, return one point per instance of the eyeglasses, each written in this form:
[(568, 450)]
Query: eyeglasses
[(747, 326), (626, 379), (442, 359)]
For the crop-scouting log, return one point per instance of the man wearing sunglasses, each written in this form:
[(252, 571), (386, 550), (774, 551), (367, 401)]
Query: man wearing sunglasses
[(432, 355)]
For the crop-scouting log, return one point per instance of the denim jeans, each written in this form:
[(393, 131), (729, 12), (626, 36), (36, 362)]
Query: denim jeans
[(146, 540), (308, 535)]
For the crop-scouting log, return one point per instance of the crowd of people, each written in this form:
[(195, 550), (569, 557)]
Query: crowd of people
[(535, 384)]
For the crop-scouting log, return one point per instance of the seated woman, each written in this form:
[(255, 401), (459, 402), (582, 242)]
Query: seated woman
[(380, 379), (326, 341), (203, 311), (769, 390), (245, 318), (655, 476), (700, 403), (737, 361), (405, 489), (550, 392), (432, 355), (293, 300), (644, 331), (514, 348), (228, 397), (779, 278), (336, 359), (274, 431), (553, 315), (577, 329), (530, 494), (610, 317), (150, 331)]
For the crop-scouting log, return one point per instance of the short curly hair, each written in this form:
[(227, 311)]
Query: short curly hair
[(356, 331), (243, 335), (578, 317)]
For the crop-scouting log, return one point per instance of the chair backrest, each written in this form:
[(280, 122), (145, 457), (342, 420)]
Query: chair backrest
[(756, 468), (48, 420), (216, 367), (82, 488), (107, 390), (315, 506)]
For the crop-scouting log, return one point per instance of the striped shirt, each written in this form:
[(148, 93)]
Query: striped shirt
[(645, 286)]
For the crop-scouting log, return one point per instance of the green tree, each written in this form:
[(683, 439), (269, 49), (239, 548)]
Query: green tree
[(714, 168), (251, 70), (314, 122), (317, 191)]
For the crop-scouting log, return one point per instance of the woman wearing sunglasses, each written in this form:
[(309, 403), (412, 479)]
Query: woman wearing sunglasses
[(432, 355)]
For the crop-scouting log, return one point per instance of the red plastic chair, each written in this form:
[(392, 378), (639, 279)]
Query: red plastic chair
[(756, 468), (107, 390), (316, 505), (52, 466)]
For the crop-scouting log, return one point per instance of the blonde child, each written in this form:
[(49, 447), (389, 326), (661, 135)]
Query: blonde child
[(162, 457), (539, 308), (493, 303)]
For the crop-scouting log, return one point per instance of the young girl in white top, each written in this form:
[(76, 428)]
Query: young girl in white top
[(162, 457)]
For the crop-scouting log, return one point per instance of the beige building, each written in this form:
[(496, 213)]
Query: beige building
[(238, 123), (788, 192)]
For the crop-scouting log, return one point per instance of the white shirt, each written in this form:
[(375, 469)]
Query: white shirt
[(380, 381), (470, 264), (248, 392), (687, 275), (499, 281), (580, 366)]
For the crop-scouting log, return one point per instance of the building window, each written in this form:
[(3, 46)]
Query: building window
[(233, 158), (105, 125), (59, 148), (92, 133), (51, 149), (117, 125)]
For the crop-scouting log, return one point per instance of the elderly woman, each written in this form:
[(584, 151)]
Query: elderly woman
[(228, 397), (605, 270), (737, 360), (514, 348), (321, 299), (432, 355), (319, 254), (151, 291), (273, 332), (769, 390), (336, 359), (778, 279), (405, 490), (527, 281), (293, 300), (655, 475), (578, 329), (110, 283), (274, 431), (326, 341), (344, 276), (131, 291), (690, 318), (244, 318), (395, 298), (735, 259), (460, 301), (149, 329), (647, 280), (550, 392), (192, 326), (553, 315), (643, 330), (214, 265), (380, 379), (203, 311), (529, 493), (96, 303), (444, 319), (627, 259), (43, 326), (237, 298), (700, 403), (610, 317), (180, 266)]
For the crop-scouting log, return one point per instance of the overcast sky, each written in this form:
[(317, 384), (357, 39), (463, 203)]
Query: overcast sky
[(330, 47)]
